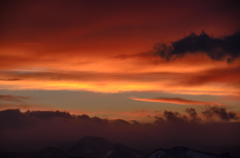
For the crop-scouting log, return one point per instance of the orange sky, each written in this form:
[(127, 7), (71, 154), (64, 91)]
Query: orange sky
[(108, 47)]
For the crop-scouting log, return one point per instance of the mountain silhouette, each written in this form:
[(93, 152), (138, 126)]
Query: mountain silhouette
[(98, 147), (90, 146), (180, 152), (51, 152)]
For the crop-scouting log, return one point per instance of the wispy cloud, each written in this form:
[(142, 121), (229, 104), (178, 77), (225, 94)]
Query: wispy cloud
[(175, 101), (12, 98), (10, 79)]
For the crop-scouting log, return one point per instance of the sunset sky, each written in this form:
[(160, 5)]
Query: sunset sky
[(121, 59)]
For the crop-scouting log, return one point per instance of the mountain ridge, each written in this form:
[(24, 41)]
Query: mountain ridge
[(99, 147)]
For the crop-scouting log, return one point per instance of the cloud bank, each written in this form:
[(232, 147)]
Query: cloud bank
[(35, 129)]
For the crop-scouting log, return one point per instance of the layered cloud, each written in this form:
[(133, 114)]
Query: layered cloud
[(216, 81), (77, 46), (175, 101)]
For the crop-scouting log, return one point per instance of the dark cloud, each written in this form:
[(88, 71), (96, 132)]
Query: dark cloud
[(220, 113), (121, 121), (174, 116), (84, 117), (14, 119), (211, 113), (216, 48), (48, 114), (34, 129), (193, 114), (12, 98)]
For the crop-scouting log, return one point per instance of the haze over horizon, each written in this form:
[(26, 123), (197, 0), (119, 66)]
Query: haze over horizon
[(162, 73)]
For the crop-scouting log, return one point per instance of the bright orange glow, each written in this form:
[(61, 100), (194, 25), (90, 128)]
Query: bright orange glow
[(116, 86)]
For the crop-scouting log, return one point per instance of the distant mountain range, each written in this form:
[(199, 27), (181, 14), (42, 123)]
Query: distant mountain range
[(97, 147)]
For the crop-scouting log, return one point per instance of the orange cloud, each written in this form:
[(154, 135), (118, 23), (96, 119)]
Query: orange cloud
[(175, 101), (86, 49), (217, 81)]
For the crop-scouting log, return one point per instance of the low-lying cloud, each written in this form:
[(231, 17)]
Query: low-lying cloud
[(34, 129), (220, 113)]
